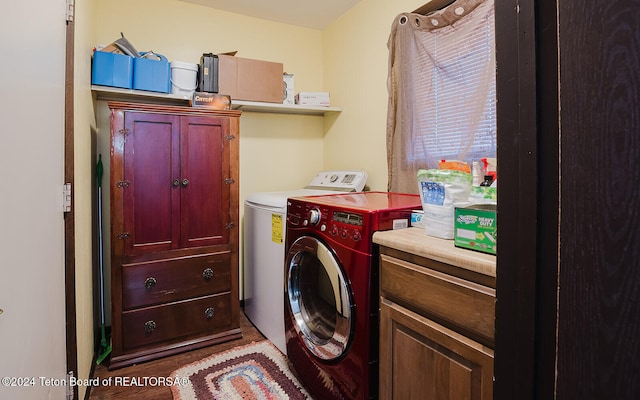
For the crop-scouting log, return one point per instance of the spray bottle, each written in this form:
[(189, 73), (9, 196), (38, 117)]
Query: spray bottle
[(490, 167)]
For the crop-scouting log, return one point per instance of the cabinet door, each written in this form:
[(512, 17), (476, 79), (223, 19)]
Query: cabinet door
[(205, 196), (151, 200), (420, 359)]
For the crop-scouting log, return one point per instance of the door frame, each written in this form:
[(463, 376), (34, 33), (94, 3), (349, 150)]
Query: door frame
[(69, 217), (528, 213), (517, 213)]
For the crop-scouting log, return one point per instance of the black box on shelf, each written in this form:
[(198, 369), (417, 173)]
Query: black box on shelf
[(208, 73)]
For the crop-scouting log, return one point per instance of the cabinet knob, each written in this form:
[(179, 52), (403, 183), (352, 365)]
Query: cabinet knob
[(207, 274), (185, 182), (209, 313), (150, 326), (176, 182), (150, 282)]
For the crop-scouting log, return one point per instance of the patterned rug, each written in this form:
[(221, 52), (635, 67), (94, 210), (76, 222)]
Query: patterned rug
[(255, 371)]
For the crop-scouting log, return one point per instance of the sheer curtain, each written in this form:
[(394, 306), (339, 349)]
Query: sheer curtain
[(441, 87)]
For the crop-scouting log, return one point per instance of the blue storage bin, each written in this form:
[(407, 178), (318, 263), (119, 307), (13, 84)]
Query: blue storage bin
[(152, 75), (111, 69)]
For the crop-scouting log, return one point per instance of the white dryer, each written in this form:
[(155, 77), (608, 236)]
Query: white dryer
[(264, 231)]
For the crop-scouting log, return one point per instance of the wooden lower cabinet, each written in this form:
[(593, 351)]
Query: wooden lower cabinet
[(421, 359), (436, 331), (174, 230)]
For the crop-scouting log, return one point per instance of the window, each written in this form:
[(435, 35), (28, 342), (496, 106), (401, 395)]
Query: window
[(442, 98)]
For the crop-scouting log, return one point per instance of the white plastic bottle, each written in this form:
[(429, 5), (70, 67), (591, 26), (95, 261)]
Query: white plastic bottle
[(477, 174)]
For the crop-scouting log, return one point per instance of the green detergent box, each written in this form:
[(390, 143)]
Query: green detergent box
[(476, 228)]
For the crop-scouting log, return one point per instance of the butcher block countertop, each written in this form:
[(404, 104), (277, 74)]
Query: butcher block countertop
[(415, 241)]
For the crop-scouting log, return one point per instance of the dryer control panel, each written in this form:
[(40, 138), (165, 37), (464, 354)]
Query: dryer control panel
[(350, 219), (347, 228)]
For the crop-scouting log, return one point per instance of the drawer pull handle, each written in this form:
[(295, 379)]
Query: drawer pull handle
[(207, 274), (150, 282), (176, 182), (185, 182), (150, 326), (209, 313)]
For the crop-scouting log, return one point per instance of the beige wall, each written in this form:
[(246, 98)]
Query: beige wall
[(348, 59), (278, 152), (183, 31), (355, 72), (84, 172)]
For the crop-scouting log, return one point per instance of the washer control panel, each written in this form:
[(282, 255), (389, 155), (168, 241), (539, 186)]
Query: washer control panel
[(344, 181)]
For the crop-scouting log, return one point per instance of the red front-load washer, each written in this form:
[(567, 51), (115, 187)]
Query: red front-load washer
[(331, 290)]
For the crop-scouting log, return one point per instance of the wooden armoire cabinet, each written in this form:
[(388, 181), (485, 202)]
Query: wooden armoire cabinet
[(174, 229)]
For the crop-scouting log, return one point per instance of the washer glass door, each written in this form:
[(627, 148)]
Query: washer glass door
[(320, 298)]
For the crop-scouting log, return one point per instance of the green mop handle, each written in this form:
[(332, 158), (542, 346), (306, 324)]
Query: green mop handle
[(99, 170)]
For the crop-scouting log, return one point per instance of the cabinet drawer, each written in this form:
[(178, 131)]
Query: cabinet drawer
[(459, 304), (164, 281), (176, 321)]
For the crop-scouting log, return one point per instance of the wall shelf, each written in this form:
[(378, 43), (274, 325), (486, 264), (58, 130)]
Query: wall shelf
[(282, 108), (108, 93)]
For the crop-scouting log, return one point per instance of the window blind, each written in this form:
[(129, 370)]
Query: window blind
[(442, 90)]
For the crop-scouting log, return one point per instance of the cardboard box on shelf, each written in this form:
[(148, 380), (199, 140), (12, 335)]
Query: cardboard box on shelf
[(250, 80), (210, 100), (289, 96), (313, 99), (111, 48)]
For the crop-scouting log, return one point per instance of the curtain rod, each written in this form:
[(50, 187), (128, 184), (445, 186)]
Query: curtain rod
[(431, 6)]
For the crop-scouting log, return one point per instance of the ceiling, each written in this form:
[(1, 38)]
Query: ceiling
[(312, 14)]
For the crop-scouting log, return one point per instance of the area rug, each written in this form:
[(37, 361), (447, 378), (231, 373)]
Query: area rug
[(255, 371)]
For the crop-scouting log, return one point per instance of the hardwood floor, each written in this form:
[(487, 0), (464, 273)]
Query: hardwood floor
[(161, 368)]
